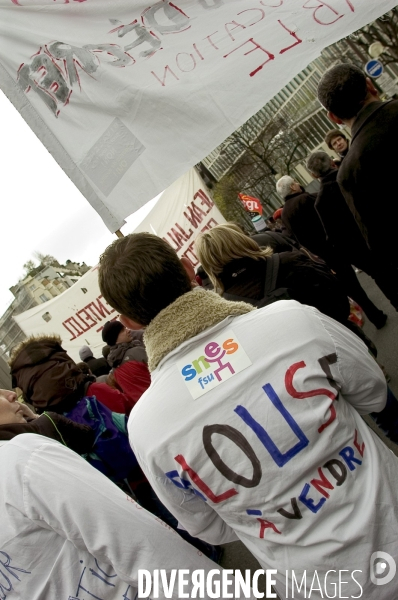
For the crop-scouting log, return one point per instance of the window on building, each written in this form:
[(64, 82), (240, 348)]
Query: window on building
[(32, 287), (43, 298)]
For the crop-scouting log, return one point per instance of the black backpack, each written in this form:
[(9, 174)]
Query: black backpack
[(271, 292)]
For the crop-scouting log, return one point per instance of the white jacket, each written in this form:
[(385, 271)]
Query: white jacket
[(267, 442), (68, 533)]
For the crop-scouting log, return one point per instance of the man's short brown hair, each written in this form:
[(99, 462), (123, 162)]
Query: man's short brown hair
[(331, 135), (141, 274)]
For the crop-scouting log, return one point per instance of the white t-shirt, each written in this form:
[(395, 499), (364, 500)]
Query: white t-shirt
[(253, 427), (68, 533)]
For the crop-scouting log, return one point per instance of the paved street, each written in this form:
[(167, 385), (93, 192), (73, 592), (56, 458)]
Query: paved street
[(236, 556)]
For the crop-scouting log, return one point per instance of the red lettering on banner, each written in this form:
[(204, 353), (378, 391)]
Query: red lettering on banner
[(359, 447), (202, 485), (254, 22), (185, 235), (321, 5), (91, 308), (210, 41), (256, 47), (65, 324), (78, 328), (193, 62), (194, 214), (296, 43), (350, 5), (235, 26), (163, 81), (103, 310), (82, 321), (87, 327), (197, 52), (90, 321), (176, 238), (264, 524), (272, 5)]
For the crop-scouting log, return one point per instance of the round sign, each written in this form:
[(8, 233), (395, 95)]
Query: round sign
[(374, 68), (375, 49)]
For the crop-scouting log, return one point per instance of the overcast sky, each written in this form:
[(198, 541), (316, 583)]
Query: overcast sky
[(42, 210)]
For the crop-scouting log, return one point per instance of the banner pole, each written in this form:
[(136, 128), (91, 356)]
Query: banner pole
[(118, 233)]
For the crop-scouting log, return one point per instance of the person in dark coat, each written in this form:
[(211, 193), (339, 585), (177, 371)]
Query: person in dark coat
[(237, 266), (366, 176), (275, 240), (128, 359), (303, 223), (299, 216), (340, 226), (98, 366)]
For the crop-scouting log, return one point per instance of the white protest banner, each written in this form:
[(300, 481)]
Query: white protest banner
[(183, 211), (79, 314), (127, 95)]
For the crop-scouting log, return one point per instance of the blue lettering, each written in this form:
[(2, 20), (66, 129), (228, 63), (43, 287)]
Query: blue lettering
[(279, 457), (6, 564), (188, 372), (184, 484), (309, 502), (125, 597), (347, 454)]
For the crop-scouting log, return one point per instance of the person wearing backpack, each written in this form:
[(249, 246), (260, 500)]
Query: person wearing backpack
[(242, 271)]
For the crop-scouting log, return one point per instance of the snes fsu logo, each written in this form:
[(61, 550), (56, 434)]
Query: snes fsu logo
[(212, 363)]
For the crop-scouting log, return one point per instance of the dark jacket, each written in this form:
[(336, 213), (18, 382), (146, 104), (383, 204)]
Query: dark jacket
[(45, 373), (79, 438), (275, 240), (367, 175), (98, 366), (127, 351), (308, 282), (48, 377), (341, 229), (303, 223)]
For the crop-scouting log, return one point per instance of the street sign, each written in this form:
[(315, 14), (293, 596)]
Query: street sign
[(374, 68)]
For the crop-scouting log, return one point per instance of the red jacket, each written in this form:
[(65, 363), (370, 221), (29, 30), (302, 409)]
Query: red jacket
[(113, 399), (134, 379)]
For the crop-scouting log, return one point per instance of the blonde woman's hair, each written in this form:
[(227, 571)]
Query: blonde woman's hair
[(220, 245)]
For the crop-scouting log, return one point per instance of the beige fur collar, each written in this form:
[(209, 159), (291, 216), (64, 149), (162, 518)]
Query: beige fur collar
[(190, 314)]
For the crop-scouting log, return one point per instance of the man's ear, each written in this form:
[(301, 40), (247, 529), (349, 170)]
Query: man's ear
[(127, 322), (372, 91), (186, 263), (335, 119)]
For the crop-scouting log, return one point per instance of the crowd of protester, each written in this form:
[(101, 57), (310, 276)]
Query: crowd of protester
[(228, 402)]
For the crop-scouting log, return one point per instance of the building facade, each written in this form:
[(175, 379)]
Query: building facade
[(41, 285), (256, 158)]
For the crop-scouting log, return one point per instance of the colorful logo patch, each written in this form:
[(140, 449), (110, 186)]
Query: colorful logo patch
[(212, 363)]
